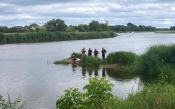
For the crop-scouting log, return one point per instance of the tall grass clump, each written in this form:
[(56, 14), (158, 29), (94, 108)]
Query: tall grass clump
[(89, 61), (2, 38), (154, 96), (158, 62), (121, 57), (98, 96)]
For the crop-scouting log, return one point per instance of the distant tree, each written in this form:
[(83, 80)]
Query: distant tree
[(83, 28), (130, 24), (172, 28), (94, 26), (4, 29), (17, 29), (71, 28), (133, 27), (33, 27), (55, 25), (142, 28), (41, 28), (104, 26)]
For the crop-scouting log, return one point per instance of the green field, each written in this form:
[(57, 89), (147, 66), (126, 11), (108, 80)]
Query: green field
[(167, 31)]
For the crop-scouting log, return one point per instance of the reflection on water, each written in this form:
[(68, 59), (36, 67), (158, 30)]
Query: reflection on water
[(103, 72), (120, 75), (88, 71), (125, 82), (74, 66)]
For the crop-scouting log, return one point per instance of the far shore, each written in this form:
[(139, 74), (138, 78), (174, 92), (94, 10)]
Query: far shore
[(165, 31)]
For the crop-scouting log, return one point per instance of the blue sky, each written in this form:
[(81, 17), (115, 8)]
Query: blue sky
[(158, 13)]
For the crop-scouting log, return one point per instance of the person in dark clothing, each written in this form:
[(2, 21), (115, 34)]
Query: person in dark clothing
[(89, 52), (95, 53), (83, 51), (103, 53)]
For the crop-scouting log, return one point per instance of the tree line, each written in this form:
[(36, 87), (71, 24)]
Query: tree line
[(59, 25)]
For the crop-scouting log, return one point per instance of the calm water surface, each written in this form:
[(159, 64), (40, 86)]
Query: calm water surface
[(26, 69)]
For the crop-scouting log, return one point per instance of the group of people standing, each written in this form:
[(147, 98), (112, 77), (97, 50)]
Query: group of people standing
[(74, 59), (95, 52)]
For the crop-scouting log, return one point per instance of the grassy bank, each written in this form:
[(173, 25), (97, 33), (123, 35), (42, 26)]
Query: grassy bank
[(170, 31), (98, 95), (157, 63), (86, 61), (33, 37), (122, 61)]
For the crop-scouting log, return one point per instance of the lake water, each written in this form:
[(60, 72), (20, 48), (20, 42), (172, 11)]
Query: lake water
[(26, 70)]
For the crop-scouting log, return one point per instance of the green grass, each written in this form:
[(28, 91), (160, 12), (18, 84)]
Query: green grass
[(86, 61), (165, 31), (158, 62), (33, 37), (64, 61), (90, 61), (154, 96), (98, 96), (121, 57)]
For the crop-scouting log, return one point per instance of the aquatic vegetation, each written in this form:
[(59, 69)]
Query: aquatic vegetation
[(2, 38), (85, 61), (158, 62), (8, 104), (98, 96), (64, 61), (121, 57), (165, 31), (154, 96), (32, 37), (89, 61)]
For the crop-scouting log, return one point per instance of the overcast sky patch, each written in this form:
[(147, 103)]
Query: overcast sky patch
[(158, 13)]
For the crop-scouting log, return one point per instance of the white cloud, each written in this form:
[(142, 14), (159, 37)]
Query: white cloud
[(144, 12)]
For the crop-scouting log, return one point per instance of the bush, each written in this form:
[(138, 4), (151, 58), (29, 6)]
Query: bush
[(77, 55), (124, 58), (154, 96), (89, 61), (73, 99), (98, 96), (98, 93), (157, 62)]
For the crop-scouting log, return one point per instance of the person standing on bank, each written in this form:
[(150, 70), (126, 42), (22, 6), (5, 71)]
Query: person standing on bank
[(83, 51), (89, 52), (103, 53), (95, 53)]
